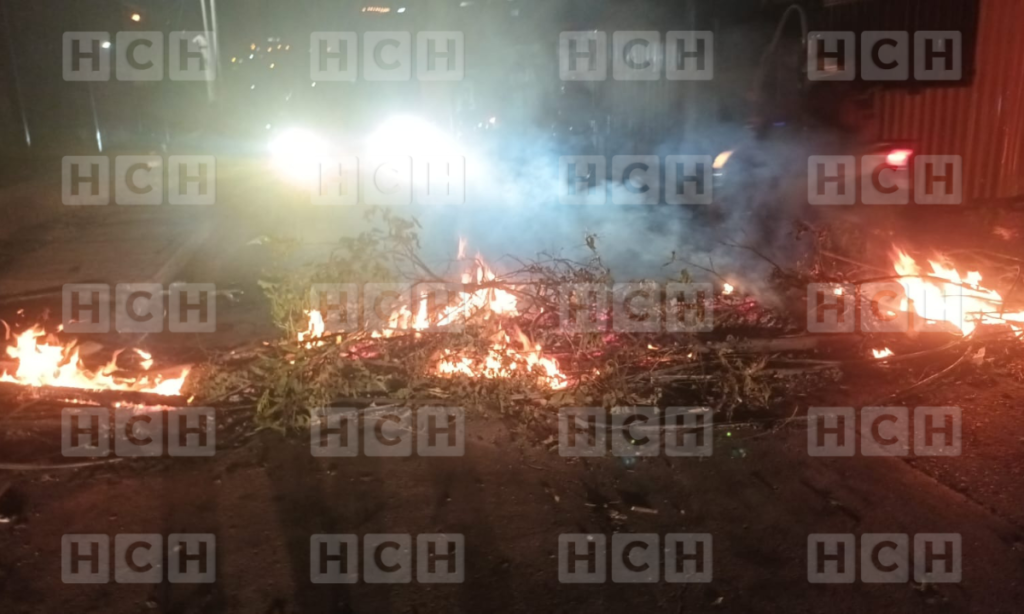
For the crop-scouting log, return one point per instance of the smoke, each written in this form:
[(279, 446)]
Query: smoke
[(513, 208), (513, 186), (512, 204)]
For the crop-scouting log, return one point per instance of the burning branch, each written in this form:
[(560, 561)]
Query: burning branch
[(511, 350)]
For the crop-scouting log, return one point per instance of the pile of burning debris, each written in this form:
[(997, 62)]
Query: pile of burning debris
[(503, 339)]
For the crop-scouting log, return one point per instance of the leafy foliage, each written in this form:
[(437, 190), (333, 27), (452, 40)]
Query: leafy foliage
[(290, 379)]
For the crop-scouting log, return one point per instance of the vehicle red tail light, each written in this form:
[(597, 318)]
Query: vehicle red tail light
[(899, 157)]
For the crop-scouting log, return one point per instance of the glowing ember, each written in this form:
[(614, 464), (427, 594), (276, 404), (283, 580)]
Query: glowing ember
[(727, 288), (946, 296), (882, 353), (52, 364)]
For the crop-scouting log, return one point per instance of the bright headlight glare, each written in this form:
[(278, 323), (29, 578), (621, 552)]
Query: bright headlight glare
[(296, 154), (410, 136)]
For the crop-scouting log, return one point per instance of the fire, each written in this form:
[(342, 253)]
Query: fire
[(503, 360), (147, 359), (882, 353), (315, 327), (51, 364), (495, 300), (480, 302), (946, 296), (727, 288)]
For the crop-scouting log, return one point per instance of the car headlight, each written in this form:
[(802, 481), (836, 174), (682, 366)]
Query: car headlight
[(296, 154)]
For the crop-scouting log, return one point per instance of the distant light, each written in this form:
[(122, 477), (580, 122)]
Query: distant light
[(279, 46), (251, 56), (464, 4), (252, 47), (287, 47), (376, 9), (269, 49), (271, 64), (493, 120), (899, 157), (268, 126), (105, 44), (721, 159), (401, 10), (233, 60), (136, 17), (314, 84), (253, 86)]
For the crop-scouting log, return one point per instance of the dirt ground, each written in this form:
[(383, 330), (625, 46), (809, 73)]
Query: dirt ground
[(759, 495)]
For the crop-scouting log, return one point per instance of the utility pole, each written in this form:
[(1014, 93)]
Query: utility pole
[(211, 39), (14, 72)]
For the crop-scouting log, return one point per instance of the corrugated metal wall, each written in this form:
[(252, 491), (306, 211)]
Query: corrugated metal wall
[(983, 122)]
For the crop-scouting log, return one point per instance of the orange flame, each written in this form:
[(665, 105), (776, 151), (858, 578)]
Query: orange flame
[(314, 329), (52, 364), (882, 353), (480, 304), (946, 296), (503, 360)]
